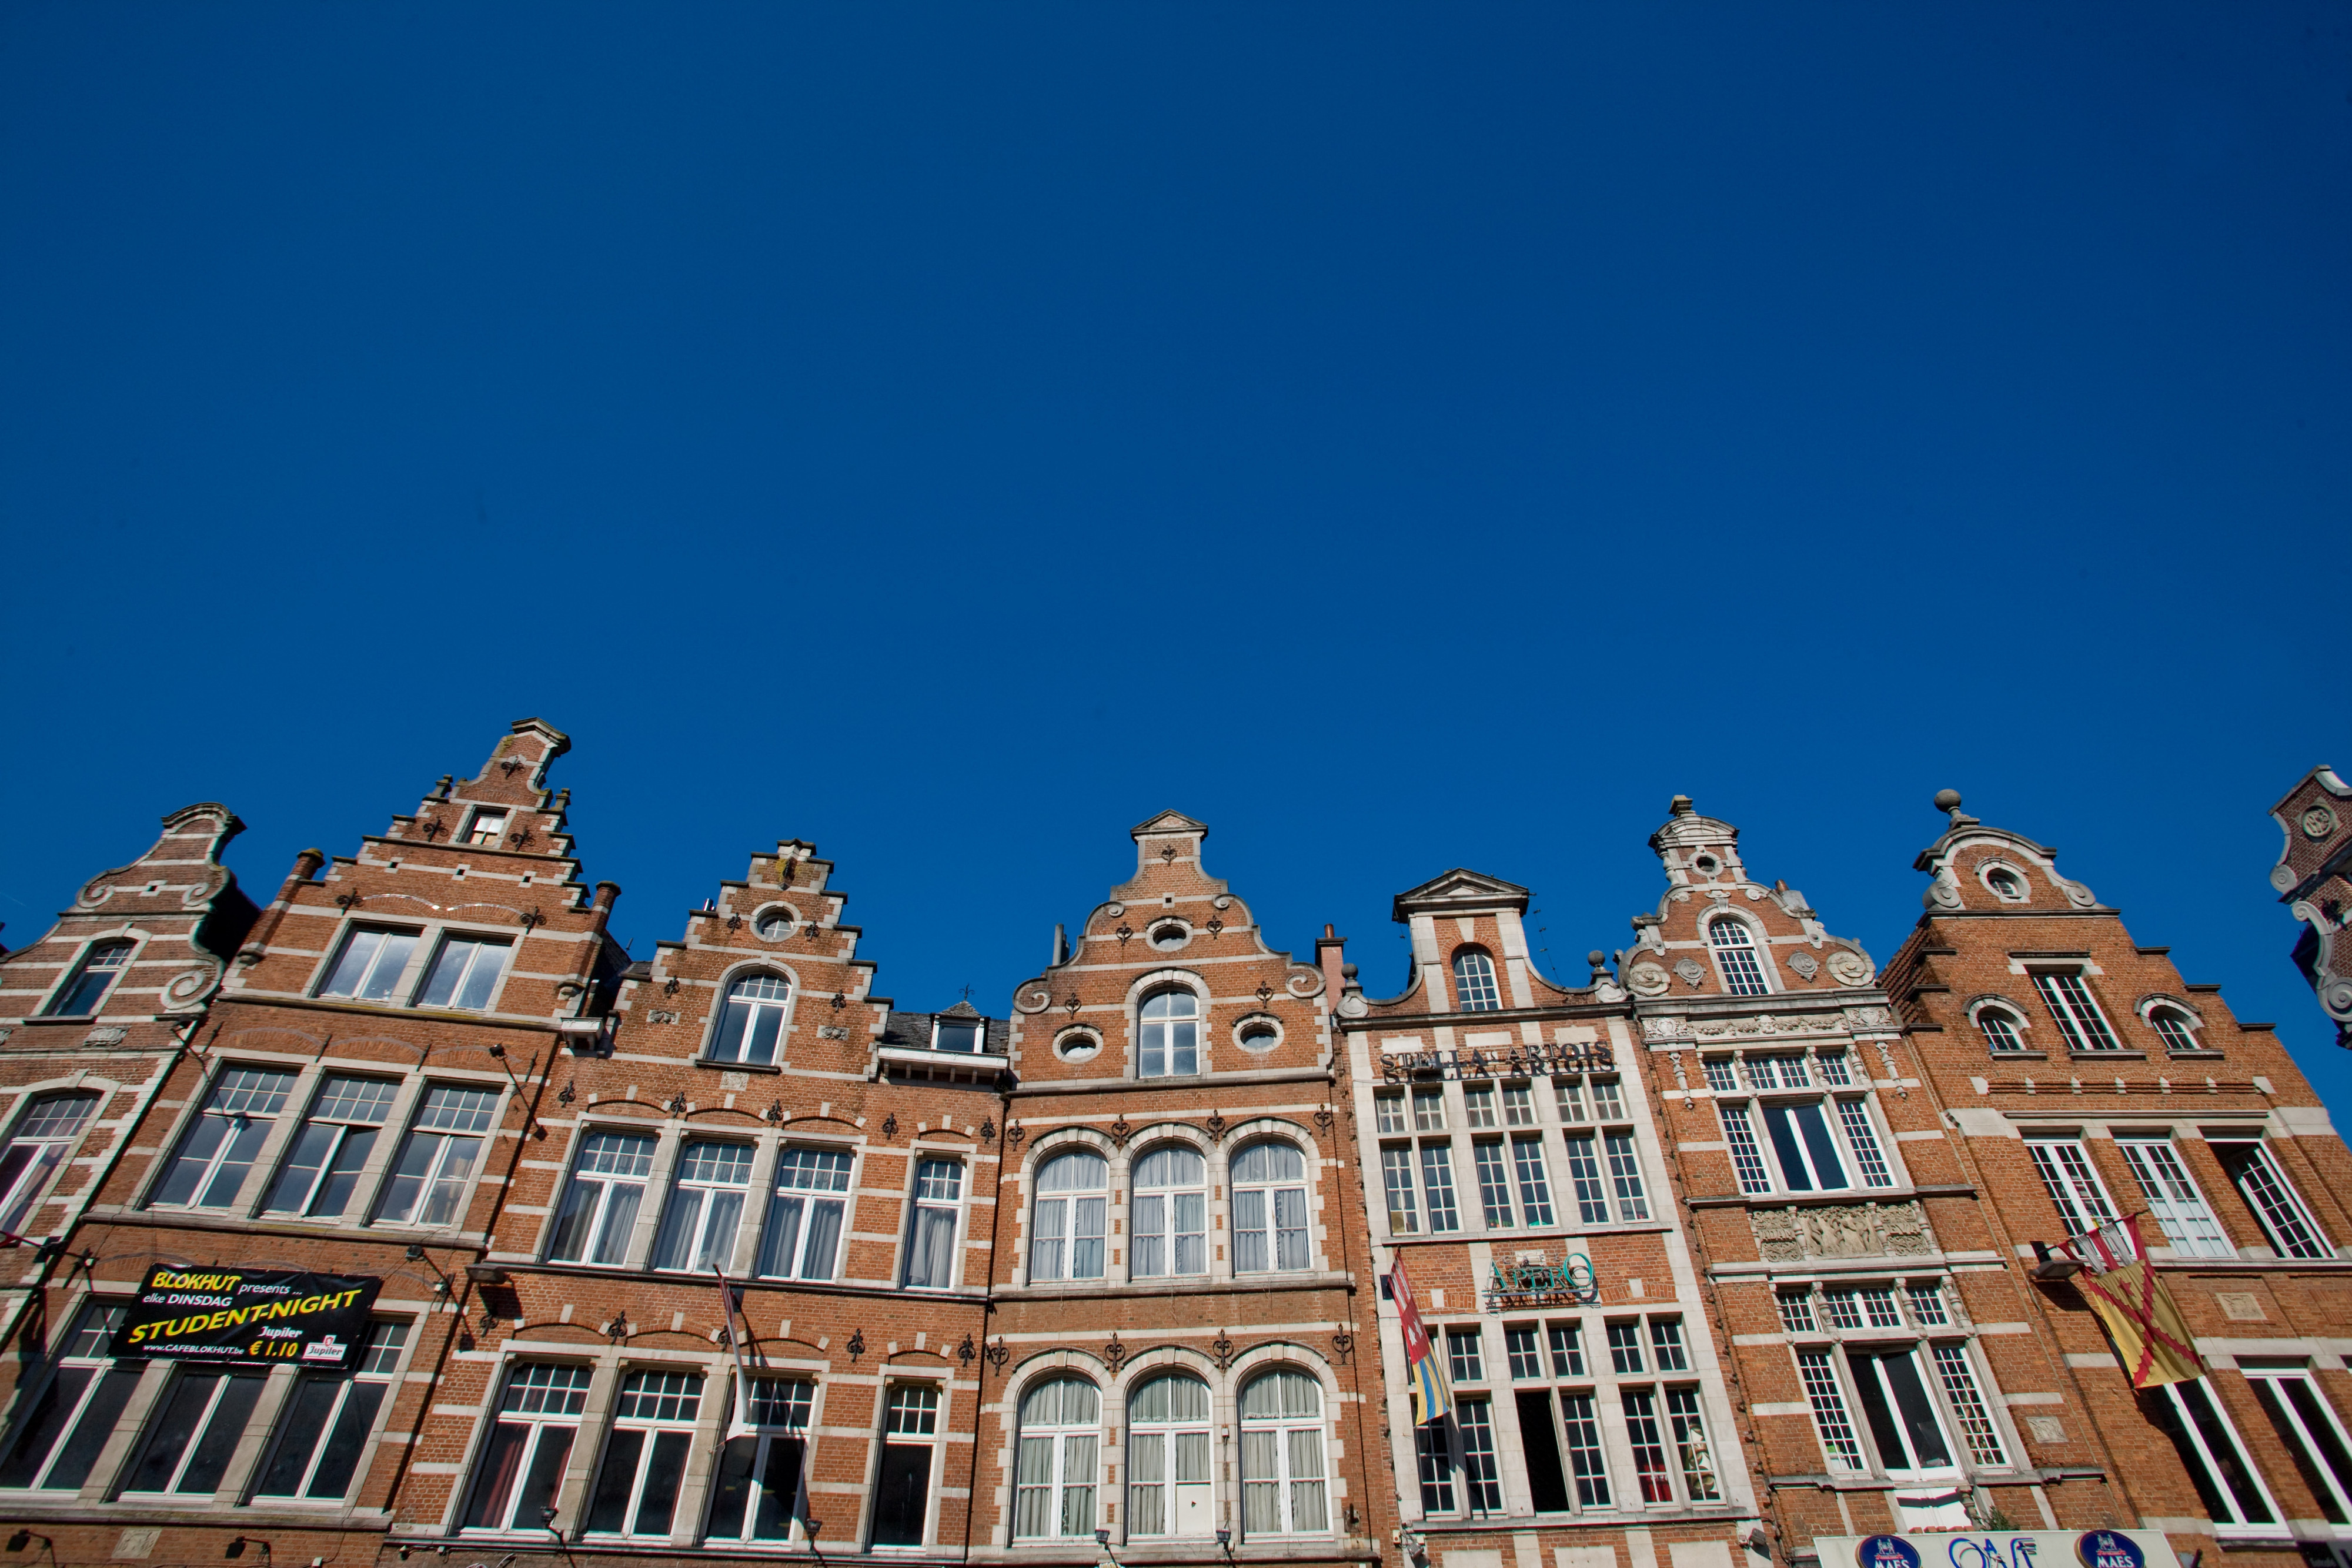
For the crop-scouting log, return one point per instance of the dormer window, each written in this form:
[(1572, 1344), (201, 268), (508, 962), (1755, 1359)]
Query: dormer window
[(956, 1034), (486, 828), (1734, 955), (1473, 982), (2006, 884), (88, 989), (2175, 1028)]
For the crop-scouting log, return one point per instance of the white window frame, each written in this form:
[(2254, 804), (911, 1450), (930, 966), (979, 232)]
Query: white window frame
[(376, 981), (1750, 945), (1477, 987), (925, 1209), (1067, 1218), (1287, 1429), (605, 1222), (81, 1349), (2013, 1019), (2188, 1025), (2201, 1441), (245, 1128), (1160, 1036), (777, 1418), (46, 1141), (80, 968), (669, 1389), (697, 1241), (451, 1136), (2298, 1424), (1269, 1192), (2287, 1200), (2066, 994), (482, 948), (754, 1009), (217, 1407), (1172, 1228), (379, 1367), (353, 1126), (1175, 1493), (2073, 1182), (910, 1420), (491, 819), (815, 1176), (2174, 1200), (552, 1405), (1073, 1463)]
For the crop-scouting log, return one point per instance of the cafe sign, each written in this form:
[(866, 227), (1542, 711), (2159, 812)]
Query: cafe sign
[(246, 1316), (2000, 1549)]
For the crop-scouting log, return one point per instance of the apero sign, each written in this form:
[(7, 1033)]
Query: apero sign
[(264, 1316), (2000, 1549)]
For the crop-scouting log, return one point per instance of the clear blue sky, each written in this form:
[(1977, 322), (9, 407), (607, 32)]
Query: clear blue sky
[(1401, 437)]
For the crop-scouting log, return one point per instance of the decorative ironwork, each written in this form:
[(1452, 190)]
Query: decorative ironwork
[(890, 1125), (810, 927), (964, 1351), (987, 1129), (346, 899), (1516, 1062), (1070, 1004), (569, 1092), (1120, 1131), (734, 922), (490, 1319), (1125, 933), (519, 837), (1215, 927), (1222, 1350), (1116, 1354), (1323, 1118), (510, 764), (1167, 854), (670, 987), (1543, 1283), (531, 918), (1265, 991), (775, 1111), (434, 829), (1216, 1125), (857, 1345), (840, 1000), (618, 1329), (783, 871), (1343, 1344), (1015, 1134), (676, 1106), (996, 1355)]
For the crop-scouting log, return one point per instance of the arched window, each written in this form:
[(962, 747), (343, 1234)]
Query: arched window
[(1053, 1477), (1473, 982), (2175, 1029), (706, 1207), (1282, 1456), (1168, 1484), (1066, 1233), (1734, 955), (1170, 1213), (2000, 1031), (81, 995), (751, 1020), (2005, 885), (1269, 1208), (1171, 1034)]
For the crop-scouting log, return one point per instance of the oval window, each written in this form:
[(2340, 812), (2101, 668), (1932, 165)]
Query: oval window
[(1260, 1035), (1170, 937)]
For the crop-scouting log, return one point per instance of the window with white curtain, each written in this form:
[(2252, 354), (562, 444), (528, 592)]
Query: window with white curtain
[(600, 1207), (1169, 1485), (1269, 1208), (1734, 955), (1070, 1217), (931, 1228), (1054, 1464), (437, 1157), (2173, 1201), (1170, 1034), (706, 1207), (1169, 1213), (1282, 1456), (803, 1240)]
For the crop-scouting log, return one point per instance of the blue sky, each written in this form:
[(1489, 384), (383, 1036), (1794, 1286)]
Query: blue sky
[(1401, 437)]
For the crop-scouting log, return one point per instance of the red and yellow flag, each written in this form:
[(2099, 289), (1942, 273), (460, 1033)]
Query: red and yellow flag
[(1424, 1373), (2152, 1339)]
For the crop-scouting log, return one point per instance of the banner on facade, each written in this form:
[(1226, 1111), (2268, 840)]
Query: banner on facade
[(1425, 1374), (246, 1315), (2000, 1549), (2151, 1338)]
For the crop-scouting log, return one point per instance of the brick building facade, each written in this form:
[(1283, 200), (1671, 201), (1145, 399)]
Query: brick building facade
[(718, 1255), (2314, 879)]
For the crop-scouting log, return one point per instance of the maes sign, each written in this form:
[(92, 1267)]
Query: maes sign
[(267, 1315)]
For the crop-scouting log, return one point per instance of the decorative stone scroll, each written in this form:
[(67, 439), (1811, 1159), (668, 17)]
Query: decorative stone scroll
[(1847, 1231)]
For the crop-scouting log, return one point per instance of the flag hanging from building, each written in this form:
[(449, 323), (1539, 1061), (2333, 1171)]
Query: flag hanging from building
[(2151, 1338), (1425, 1374)]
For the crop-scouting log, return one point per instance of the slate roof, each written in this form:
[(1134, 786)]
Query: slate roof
[(912, 1031)]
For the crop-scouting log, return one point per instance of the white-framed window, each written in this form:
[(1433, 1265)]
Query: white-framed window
[(1388, 1110), (2081, 1198), (1169, 1213), (2003, 1031), (1905, 1426), (1588, 1463), (1475, 990), (55, 1441), (523, 1463), (1070, 1217), (2277, 1206), (45, 1133), (2173, 1200), (2005, 883), (2176, 1029), (1170, 1037), (321, 1170), (369, 967), (931, 1229), (803, 1240), (1535, 1183), (194, 1432), (1054, 1466), (488, 828), (751, 1020), (961, 1035), (101, 965), (600, 1206), (1734, 955), (902, 1495), (1832, 1419), (1428, 1110), (1966, 1403), (325, 1424), (756, 1491), (1519, 1105), (1269, 1184), (219, 1147), (465, 972), (2309, 1428), (1168, 1480), (1494, 1182), (437, 1159), (2232, 1490), (1437, 1185), (645, 1454), (706, 1207), (2080, 1022), (1432, 1456), (1478, 1105), (1282, 1456)]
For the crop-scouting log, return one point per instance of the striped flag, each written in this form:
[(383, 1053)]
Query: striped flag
[(1424, 1373)]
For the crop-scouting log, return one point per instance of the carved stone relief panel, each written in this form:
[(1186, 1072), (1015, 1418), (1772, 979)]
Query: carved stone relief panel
[(1846, 1230)]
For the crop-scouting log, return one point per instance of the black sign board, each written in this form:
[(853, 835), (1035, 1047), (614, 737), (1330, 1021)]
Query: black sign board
[(250, 1315)]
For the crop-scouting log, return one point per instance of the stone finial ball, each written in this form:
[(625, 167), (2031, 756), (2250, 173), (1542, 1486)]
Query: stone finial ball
[(1947, 800), (1596, 957)]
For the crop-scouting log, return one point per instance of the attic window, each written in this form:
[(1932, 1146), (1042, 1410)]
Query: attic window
[(2005, 885), (1706, 865), (956, 1034), (774, 925), (487, 828), (1170, 936)]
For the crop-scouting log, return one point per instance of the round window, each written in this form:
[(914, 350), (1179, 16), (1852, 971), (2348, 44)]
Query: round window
[(1169, 936), (776, 924), (1076, 1046), (2005, 883), (1706, 865), (1260, 1034)]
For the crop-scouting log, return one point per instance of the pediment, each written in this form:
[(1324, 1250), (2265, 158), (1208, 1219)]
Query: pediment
[(1461, 889), (1169, 822)]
